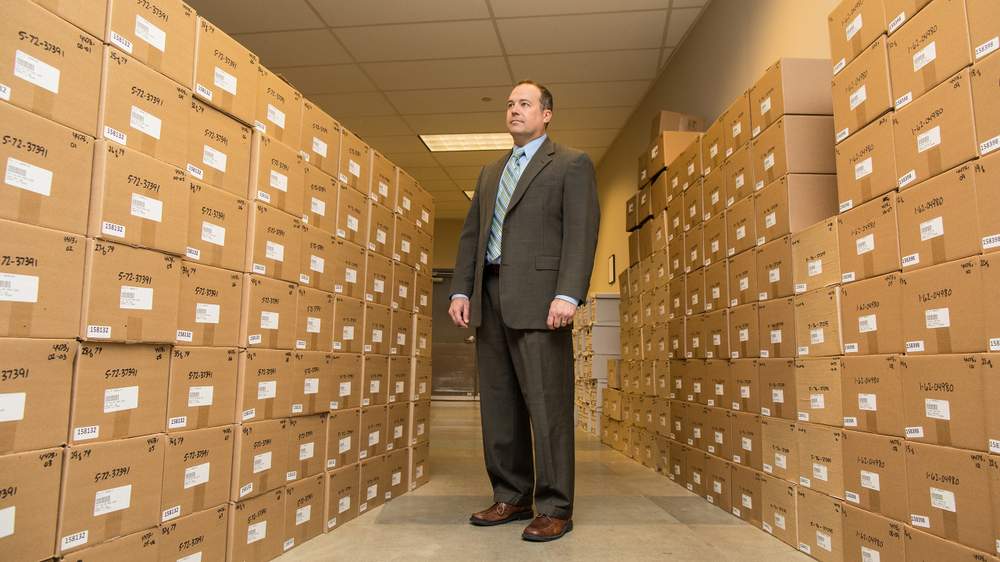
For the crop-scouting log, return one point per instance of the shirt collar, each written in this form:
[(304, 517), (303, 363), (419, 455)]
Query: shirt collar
[(532, 147)]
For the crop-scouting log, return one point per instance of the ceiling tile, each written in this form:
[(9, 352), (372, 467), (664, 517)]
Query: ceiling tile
[(567, 34), (583, 138), (450, 73), (352, 12), (598, 94), (442, 123), (407, 160), (590, 118), (295, 48), (515, 8), (359, 104), (443, 197), (587, 67), (689, 3), (397, 143), (680, 21), (665, 56), (415, 41), (428, 174), (242, 16), (463, 173), (450, 100), (376, 125), (440, 185), (330, 79), (472, 158)]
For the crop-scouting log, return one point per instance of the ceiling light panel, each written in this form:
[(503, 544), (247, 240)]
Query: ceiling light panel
[(468, 141)]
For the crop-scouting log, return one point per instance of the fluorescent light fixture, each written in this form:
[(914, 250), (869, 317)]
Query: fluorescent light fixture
[(468, 141), (469, 193)]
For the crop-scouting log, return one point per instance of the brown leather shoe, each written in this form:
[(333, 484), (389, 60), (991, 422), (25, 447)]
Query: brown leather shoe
[(546, 528), (500, 513)]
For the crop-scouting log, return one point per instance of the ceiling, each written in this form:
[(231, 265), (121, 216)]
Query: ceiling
[(392, 69)]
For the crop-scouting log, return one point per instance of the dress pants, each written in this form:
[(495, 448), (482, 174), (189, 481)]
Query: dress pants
[(526, 390)]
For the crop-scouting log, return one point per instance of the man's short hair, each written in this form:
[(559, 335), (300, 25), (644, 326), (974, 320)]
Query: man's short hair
[(547, 102)]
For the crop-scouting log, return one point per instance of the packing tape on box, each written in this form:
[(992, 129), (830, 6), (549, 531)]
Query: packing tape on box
[(147, 233), (121, 423), (133, 329), (943, 337), (29, 207), (942, 428), (43, 102), (199, 502), (208, 335), (868, 262), (866, 188), (871, 340), (147, 144), (204, 413), (19, 321), (875, 501), (113, 522), (950, 520)]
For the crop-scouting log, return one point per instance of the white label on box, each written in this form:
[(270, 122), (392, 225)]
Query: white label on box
[(350, 275), (39, 73), (781, 461), (804, 416), (816, 402), (741, 232), (870, 480), (86, 433), (768, 161), (920, 521), (246, 489), (186, 336), (373, 438), (4, 92), (29, 177), (254, 339), (313, 325), (929, 140), (858, 97), (319, 147), (354, 168), (318, 206), (800, 287), (744, 283), (924, 56), (852, 497), (989, 146), (865, 244), (868, 323), (213, 233), (276, 116), (278, 181), (847, 277), (150, 33), (352, 223), (20, 288), (146, 208), (206, 313), (764, 353), (744, 391), (916, 432), (861, 170), (823, 540), (774, 275), (274, 251), (12, 407), (765, 106), (224, 80), (766, 527), (775, 336), (870, 555), (269, 320), (814, 267), (744, 334), (937, 409), (846, 205), (805, 481), (868, 402), (850, 421), (379, 285), (912, 259), (196, 475), (200, 396), (310, 386), (112, 500), (943, 499), (203, 91), (907, 178), (931, 229), (803, 350), (816, 336), (115, 135), (935, 318), (171, 513), (770, 220), (256, 532), (120, 41), (842, 134), (267, 390), (214, 158), (306, 451), (981, 51), (121, 399), (261, 462), (145, 122), (851, 30), (778, 395)]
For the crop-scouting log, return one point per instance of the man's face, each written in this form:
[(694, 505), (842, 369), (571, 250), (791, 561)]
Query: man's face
[(525, 117)]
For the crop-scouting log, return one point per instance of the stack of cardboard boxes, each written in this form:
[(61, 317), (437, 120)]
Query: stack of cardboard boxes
[(596, 348), (216, 300), (841, 399)]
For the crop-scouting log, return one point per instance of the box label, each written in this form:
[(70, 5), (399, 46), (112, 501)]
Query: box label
[(74, 540), (19, 288), (214, 158), (12, 407), (935, 318), (816, 336), (146, 208), (924, 56), (943, 499), (112, 499), (256, 532), (907, 178), (937, 409), (121, 399), (344, 445), (206, 313), (120, 41), (778, 395), (145, 122), (816, 402), (931, 229), (981, 51), (267, 390), (850, 421), (269, 320), (224, 80), (814, 267), (868, 402), (135, 298), (196, 475), (200, 396), (928, 140), (177, 422), (989, 146), (262, 462), (306, 451), (865, 244), (858, 97), (916, 432), (870, 480), (28, 177), (39, 73), (867, 323), (869, 555)]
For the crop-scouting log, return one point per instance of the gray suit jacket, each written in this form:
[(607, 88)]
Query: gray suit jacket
[(549, 236)]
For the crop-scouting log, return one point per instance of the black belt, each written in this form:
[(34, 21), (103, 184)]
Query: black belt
[(492, 269)]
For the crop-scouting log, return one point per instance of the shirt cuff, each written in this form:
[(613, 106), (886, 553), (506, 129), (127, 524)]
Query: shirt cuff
[(571, 300), (459, 296)]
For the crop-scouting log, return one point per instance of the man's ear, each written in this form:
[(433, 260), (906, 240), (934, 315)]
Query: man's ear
[(546, 116)]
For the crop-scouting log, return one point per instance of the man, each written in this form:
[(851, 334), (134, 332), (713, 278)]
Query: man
[(525, 257)]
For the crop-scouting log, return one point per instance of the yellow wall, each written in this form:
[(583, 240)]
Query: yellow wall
[(728, 49), (446, 233)]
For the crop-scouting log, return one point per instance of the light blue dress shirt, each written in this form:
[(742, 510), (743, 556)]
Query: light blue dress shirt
[(529, 151)]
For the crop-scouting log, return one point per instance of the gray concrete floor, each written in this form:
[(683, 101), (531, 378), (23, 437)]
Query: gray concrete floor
[(623, 511)]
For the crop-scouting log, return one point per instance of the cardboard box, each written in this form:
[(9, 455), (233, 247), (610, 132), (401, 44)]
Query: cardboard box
[(161, 37), (790, 87), (274, 240), (372, 434), (938, 219), (630, 212), (225, 72), (778, 511), (816, 256), (343, 438), (694, 289), (81, 14), (665, 147), (927, 49), (256, 526), (746, 379), (898, 12), (875, 473), (695, 477), (714, 189), (862, 92), (942, 309), (30, 509), (747, 502), (342, 496), (796, 144), (869, 242), (403, 287), (741, 233), (307, 441), (696, 387), (349, 325), (935, 132), (320, 145), (737, 124), (694, 242), (265, 302), (821, 458), (139, 103), (643, 206), (853, 26), (277, 175), (738, 172), (202, 388), (217, 227), (778, 388), (196, 470), (37, 393), (716, 334), (717, 285), (119, 391), (942, 399), (718, 483), (923, 546), (817, 323), (305, 502), (352, 216), (346, 380), (819, 391), (776, 328), (873, 394), (311, 388), (121, 477), (355, 161), (137, 200), (260, 458), (404, 241), (378, 279), (201, 533), (314, 320), (873, 536), (374, 480), (375, 381), (218, 149), (780, 449), (58, 74), (264, 384), (384, 188), (318, 250), (420, 422), (348, 269), (398, 469), (209, 306), (743, 335), (278, 109), (690, 164), (743, 278), (398, 426), (821, 525), (866, 164), (408, 191), (792, 203), (42, 176), (774, 269), (420, 465), (425, 292), (982, 27), (945, 494), (713, 145), (693, 203), (319, 207), (401, 330), (672, 121), (985, 75), (140, 545), (871, 315)]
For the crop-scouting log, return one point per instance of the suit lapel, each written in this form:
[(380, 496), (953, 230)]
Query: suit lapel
[(540, 160)]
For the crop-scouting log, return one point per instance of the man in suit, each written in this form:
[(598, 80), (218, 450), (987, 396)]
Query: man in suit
[(525, 257)]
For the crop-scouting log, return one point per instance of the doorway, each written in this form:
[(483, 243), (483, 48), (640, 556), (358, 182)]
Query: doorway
[(453, 349)]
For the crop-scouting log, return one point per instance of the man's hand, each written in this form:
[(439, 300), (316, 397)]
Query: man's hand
[(560, 314), (459, 311)]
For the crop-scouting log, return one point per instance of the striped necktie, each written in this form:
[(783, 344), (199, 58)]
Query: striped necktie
[(511, 173)]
